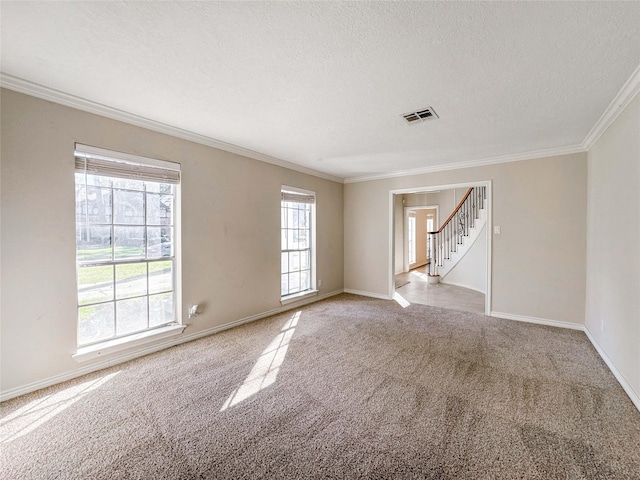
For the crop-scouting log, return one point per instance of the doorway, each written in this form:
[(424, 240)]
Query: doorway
[(418, 221), (409, 271)]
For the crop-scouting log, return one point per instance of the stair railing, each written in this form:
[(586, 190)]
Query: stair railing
[(444, 241)]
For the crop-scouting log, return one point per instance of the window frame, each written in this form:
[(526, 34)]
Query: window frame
[(312, 289), (151, 332)]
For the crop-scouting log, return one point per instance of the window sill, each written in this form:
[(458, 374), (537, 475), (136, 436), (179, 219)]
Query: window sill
[(298, 296), (112, 346)]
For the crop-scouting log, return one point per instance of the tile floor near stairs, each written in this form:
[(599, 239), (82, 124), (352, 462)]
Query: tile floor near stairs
[(440, 294)]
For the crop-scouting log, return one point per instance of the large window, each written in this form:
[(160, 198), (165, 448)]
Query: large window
[(297, 241), (125, 244)]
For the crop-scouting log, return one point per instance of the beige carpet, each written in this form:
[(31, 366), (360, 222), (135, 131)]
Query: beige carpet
[(350, 387)]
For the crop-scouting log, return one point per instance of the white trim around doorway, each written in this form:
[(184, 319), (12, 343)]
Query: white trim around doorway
[(434, 188)]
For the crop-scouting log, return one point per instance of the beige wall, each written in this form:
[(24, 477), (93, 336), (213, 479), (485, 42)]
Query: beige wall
[(419, 199), (613, 245), (444, 199), (230, 231), (538, 262)]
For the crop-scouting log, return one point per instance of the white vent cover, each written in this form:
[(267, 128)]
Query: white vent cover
[(420, 116)]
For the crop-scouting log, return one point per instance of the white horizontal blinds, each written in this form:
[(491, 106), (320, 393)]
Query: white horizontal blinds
[(121, 169), (99, 161), (297, 197)]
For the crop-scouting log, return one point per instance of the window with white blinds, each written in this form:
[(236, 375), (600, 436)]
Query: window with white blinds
[(297, 254), (126, 238)]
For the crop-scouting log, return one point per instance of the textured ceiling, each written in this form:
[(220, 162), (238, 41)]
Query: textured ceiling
[(323, 84)]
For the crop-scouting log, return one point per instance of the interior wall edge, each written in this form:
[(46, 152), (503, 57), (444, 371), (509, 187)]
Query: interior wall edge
[(626, 386)]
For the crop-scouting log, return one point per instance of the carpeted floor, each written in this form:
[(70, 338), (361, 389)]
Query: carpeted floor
[(349, 387)]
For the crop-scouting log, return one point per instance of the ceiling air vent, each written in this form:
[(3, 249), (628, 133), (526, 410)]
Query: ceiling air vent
[(420, 115)]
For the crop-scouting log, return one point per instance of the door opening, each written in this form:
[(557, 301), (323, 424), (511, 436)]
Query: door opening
[(410, 250)]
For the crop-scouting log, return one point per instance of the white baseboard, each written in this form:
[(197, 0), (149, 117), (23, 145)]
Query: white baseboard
[(540, 321), (367, 294), (47, 382), (253, 318), (63, 377), (626, 386), (633, 395), (140, 352)]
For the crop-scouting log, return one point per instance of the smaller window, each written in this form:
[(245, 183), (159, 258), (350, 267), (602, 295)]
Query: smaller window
[(297, 249)]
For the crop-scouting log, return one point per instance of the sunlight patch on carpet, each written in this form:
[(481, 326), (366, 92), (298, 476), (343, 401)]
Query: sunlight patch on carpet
[(38, 412), (266, 369)]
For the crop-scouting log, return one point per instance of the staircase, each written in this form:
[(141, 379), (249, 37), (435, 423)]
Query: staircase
[(456, 235)]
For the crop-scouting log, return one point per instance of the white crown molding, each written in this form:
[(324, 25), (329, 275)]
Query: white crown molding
[(549, 152), (39, 91), (627, 93)]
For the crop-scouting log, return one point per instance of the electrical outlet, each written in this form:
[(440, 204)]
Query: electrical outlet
[(319, 283), (496, 230)]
